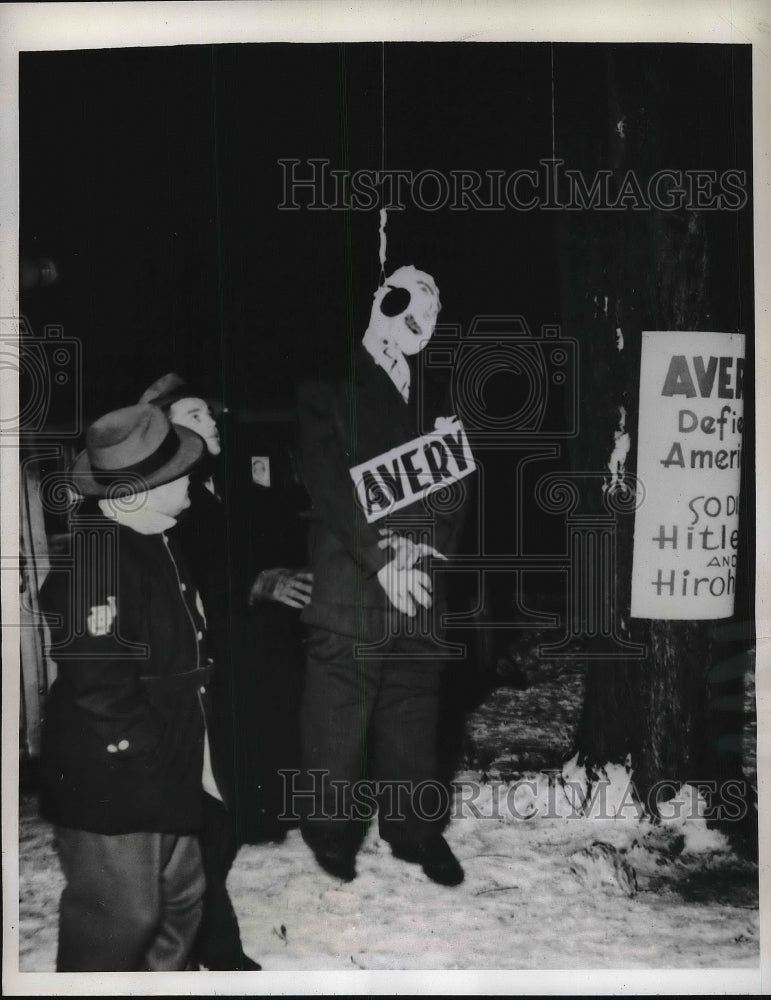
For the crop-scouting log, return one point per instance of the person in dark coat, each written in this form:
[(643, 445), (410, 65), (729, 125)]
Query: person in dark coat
[(375, 650), (227, 575), (124, 746)]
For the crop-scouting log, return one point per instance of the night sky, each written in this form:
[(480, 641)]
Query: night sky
[(152, 178)]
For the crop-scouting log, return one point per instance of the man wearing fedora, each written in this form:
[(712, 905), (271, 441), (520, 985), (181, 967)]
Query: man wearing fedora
[(125, 753)]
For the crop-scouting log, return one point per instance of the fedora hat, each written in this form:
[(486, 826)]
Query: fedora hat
[(133, 450), (171, 387)]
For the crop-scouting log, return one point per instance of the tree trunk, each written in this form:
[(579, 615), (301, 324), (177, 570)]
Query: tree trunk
[(622, 272)]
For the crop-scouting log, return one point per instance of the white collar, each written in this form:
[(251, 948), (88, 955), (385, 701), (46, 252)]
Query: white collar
[(143, 520)]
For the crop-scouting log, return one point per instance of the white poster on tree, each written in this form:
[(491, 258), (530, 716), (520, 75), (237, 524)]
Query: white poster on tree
[(689, 457)]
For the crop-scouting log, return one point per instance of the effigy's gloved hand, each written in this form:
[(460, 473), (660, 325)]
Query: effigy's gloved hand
[(285, 586), (406, 586), (406, 553)]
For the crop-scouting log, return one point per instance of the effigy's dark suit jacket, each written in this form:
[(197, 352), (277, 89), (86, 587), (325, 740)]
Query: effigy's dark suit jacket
[(347, 418)]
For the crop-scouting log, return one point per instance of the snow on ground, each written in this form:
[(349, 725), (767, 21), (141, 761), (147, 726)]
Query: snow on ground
[(520, 906)]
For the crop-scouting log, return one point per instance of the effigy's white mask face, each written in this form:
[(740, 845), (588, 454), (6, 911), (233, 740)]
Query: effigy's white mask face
[(417, 324), (412, 327)]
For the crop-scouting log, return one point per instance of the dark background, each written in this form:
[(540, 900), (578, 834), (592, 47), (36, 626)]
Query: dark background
[(150, 177)]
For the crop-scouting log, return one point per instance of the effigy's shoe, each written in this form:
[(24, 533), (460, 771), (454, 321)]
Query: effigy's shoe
[(333, 854), (434, 856), (341, 863)]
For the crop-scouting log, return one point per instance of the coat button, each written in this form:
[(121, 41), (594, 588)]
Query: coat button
[(202, 689), (124, 745), (111, 748), (200, 635), (183, 587)]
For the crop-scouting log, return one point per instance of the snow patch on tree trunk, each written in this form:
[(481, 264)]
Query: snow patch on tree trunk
[(617, 460)]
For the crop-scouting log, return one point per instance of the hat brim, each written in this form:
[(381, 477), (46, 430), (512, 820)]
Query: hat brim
[(191, 448)]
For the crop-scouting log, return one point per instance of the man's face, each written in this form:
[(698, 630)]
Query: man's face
[(171, 498), (195, 414)]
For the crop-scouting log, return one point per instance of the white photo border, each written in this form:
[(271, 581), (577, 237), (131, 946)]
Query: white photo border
[(46, 26)]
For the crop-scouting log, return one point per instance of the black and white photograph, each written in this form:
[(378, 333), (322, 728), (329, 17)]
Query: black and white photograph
[(383, 432)]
